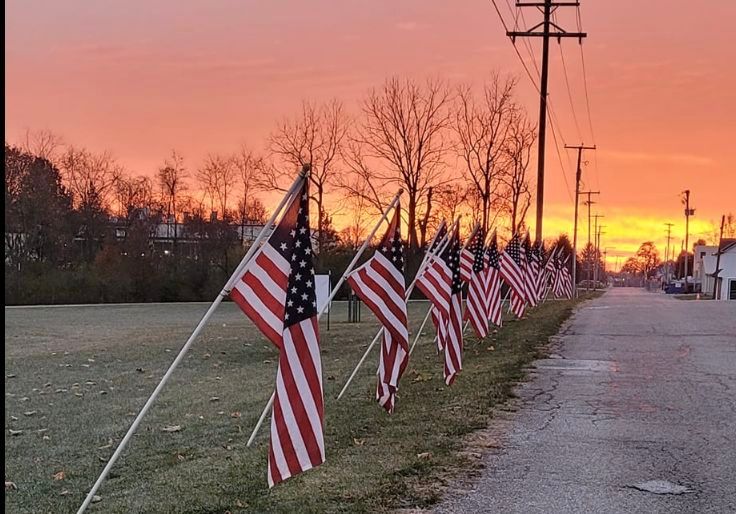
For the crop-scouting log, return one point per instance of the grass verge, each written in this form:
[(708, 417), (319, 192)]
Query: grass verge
[(76, 377)]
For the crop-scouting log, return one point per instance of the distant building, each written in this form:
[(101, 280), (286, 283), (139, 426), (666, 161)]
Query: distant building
[(704, 267)]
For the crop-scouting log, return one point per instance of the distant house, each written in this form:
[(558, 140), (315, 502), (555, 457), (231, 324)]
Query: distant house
[(704, 269)]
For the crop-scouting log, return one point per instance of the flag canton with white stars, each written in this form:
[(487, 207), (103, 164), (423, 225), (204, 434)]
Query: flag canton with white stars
[(476, 248), (452, 258), (392, 247), (296, 247), (493, 254), (528, 249), (513, 251), (441, 232)]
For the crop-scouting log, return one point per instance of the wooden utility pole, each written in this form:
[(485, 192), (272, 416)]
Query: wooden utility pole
[(546, 29), (578, 177), (688, 212), (667, 253), (597, 255), (593, 266), (716, 272)]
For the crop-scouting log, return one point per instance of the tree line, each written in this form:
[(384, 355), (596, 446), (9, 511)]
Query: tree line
[(80, 227)]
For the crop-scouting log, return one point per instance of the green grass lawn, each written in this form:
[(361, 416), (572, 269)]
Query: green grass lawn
[(75, 377)]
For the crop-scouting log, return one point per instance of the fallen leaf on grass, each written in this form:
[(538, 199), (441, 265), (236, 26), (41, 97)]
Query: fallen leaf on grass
[(65, 492), (171, 428), (235, 414), (358, 442), (29, 413), (424, 455), (96, 499), (46, 438), (59, 475), (10, 486)]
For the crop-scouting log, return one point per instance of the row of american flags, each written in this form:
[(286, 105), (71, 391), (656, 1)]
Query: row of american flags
[(276, 290)]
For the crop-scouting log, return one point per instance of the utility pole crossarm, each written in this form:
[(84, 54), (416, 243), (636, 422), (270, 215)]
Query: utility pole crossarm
[(546, 29)]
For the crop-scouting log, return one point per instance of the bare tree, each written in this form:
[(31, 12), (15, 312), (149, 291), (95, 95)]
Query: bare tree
[(172, 178), (217, 177), (482, 128), (248, 166), (403, 128), (133, 193), (315, 138), (42, 143), (90, 177), (450, 200), (355, 231), (518, 151)]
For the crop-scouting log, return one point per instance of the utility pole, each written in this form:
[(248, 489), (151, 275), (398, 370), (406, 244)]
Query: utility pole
[(547, 7), (597, 254), (578, 177), (593, 266), (716, 272), (688, 212), (667, 253)]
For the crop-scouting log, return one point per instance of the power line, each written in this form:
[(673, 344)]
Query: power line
[(569, 90), (548, 103)]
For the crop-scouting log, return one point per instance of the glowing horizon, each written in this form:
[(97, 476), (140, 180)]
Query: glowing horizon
[(139, 79)]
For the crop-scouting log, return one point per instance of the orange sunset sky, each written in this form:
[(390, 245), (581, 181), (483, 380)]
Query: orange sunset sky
[(140, 78)]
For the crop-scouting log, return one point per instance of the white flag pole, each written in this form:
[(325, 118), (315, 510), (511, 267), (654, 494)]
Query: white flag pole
[(419, 332), (225, 291), (406, 297), (334, 291), (426, 317)]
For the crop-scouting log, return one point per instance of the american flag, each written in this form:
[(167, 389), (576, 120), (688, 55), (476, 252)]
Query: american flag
[(467, 256), (277, 292), (435, 282), (566, 279), (477, 305), (549, 269), (453, 343), (493, 283), (530, 272), (436, 317), (540, 257), (512, 272), (380, 284), (557, 280)]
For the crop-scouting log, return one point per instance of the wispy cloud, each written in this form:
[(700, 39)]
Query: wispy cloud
[(660, 157)]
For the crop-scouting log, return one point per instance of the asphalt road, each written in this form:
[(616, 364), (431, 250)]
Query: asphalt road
[(636, 412)]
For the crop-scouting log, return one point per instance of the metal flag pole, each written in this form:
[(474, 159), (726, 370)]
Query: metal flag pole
[(334, 291), (225, 291), (422, 266)]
